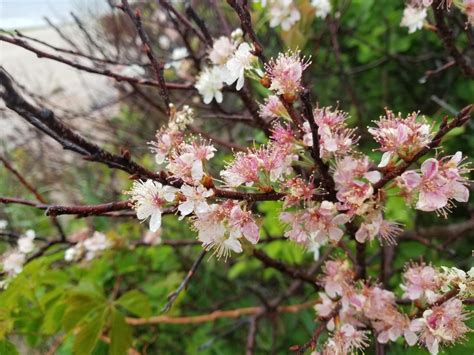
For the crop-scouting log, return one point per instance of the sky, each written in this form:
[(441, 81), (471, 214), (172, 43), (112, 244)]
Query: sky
[(21, 14)]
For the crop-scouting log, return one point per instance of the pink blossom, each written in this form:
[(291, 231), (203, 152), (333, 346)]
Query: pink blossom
[(346, 340), (318, 224), (337, 275), (272, 108), (297, 231), (297, 190), (325, 307), (285, 73), (212, 232), (442, 324), (165, 140), (439, 183), (243, 170), (223, 225), (421, 281), (374, 225), (187, 162), (323, 223), (335, 139), (241, 223), (354, 180), (273, 160), (401, 136), (283, 135), (469, 10)]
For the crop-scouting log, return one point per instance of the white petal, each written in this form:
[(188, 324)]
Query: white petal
[(155, 221)]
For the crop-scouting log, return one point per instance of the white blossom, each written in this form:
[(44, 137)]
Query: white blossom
[(164, 42), (413, 18), (195, 200), (25, 243), (240, 61), (180, 119), (74, 253), (95, 244), (177, 56), (13, 262), (221, 50), (283, 13), (149, 198), (3, 224), (210, 83), (323, 7)]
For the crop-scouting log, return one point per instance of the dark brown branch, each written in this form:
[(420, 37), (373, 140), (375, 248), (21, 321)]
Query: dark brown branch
[(46, 121), (87, 210), (80, 210)]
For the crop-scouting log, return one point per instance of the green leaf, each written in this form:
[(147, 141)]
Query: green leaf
[(79, 305), (52, 318), (89, 333), (135, 302), (7, 348), (120, 335)]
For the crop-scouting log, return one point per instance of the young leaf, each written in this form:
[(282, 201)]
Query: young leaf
[(135, 302), (89, 333), (120, 335)]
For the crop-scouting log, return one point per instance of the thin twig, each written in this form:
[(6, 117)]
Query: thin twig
[(172, 297)]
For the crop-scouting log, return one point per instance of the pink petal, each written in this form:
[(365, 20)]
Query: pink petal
[(411, 179), (429, 168)]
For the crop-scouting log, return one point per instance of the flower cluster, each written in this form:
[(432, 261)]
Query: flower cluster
[(87, 247), (286, 13), (335, 138), (400, 137), (359, 304), (284, 166), (285, 74), (354, 178), (224, 226), (230, 60), (416, 12), (283, 13)]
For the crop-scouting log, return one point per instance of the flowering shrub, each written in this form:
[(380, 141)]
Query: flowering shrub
[(327, 186)]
